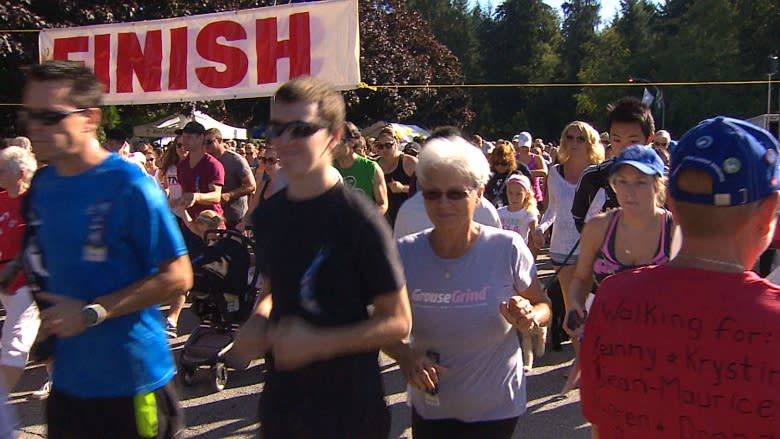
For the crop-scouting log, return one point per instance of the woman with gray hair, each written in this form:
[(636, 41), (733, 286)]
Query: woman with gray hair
[(471, 288), (17, 166)]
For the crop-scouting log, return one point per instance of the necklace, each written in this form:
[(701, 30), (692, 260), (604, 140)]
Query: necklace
[(443, 262), (733, 265)]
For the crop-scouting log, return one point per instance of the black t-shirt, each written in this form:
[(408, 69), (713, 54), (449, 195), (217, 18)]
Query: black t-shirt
[(327, 259), (593, 178)]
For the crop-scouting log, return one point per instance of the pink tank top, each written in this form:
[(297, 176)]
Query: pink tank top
[(606, 264)]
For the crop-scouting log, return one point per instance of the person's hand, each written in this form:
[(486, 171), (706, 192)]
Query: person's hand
[(187, 200), (63, 317), (537, 237), (293, 343), (225, 197), (573, 323), (420, 371), (396, 187), (241, 226), (519, 312)]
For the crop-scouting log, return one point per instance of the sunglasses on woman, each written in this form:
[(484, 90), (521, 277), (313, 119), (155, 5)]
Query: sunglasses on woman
[(386, 145), (297, 129), (573, 138), (452, 194), (268, 160)]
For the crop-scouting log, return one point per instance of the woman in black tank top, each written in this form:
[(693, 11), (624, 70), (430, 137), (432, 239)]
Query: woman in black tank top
[(392, 162)]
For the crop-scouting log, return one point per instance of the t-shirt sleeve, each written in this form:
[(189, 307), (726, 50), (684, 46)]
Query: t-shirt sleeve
[(261, 253), (523, 266), (582, 199), (245, 170), (217, 173), (380, 265), (152, 226)]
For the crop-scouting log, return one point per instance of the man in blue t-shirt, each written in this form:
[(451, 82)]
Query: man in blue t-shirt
[(101, 235)]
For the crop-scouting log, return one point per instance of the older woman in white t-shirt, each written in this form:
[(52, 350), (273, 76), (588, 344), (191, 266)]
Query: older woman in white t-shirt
[(471, 288)]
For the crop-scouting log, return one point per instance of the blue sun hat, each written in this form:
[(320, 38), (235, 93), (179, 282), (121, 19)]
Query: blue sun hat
[(741, 158)]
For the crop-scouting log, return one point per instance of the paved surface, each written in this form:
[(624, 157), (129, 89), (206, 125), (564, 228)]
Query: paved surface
[(232, 412)]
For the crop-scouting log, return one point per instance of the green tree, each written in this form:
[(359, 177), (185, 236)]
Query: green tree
[(705, 48), (625, 48), (519, 46)]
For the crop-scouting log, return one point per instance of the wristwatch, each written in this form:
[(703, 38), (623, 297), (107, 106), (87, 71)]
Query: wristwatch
[(93, 314)]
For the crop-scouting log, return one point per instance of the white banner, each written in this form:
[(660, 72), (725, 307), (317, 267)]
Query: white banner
[(226, 55)]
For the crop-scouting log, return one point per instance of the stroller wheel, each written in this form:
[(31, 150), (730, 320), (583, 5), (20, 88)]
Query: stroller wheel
[(220, 377), (188, 377)]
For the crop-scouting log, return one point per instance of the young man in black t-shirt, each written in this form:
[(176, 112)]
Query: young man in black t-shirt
[(327, 255), (629, 122)]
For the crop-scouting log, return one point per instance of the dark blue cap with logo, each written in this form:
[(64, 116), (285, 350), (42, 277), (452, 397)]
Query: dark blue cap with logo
[(642, 157), (741, 158)]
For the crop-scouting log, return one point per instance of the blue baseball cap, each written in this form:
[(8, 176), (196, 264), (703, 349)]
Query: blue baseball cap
[(642, 157), (741, 158)]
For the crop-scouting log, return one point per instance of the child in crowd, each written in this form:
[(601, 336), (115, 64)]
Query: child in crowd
[(521, 215)]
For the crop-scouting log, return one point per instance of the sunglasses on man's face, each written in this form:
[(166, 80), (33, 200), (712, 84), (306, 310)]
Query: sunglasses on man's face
[(47, 117), (452, 194), (212, 141), (297, 129)]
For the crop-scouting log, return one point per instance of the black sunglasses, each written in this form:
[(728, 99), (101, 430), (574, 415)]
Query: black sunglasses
[(268, 160), (212, 141), (48, 117), (577, 138), (502, 163), (386, 145), (297, 128), (453, 195)]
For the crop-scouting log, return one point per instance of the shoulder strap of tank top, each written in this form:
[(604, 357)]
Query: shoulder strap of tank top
[(608, 247), (665, 247)]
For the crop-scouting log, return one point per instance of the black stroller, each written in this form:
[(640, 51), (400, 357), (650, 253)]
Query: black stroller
[(223, 297)]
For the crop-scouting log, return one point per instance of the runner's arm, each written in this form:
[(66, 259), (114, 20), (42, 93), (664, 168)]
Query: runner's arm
[(380, 189), (64, 318), (296, 343), (251, 341), (248, 187)]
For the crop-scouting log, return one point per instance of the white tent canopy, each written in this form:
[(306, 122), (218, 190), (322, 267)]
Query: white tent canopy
[(167, 126)]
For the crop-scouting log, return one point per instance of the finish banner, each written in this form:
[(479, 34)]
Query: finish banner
[(226, 55)]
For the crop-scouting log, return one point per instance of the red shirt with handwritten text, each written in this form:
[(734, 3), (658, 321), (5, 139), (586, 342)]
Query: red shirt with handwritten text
[(673, 352)]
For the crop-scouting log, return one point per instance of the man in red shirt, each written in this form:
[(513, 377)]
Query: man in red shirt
[(201, 177), (691, 349)]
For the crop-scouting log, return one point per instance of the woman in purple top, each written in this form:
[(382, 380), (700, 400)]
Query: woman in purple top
[(471, 288)]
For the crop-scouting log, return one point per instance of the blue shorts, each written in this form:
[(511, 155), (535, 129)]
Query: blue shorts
[(558, 259)]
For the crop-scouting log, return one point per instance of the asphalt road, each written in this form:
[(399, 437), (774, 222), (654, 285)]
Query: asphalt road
[(232, 413)]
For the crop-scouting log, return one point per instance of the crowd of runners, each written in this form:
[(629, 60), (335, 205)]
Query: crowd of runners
[(423, 248)]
